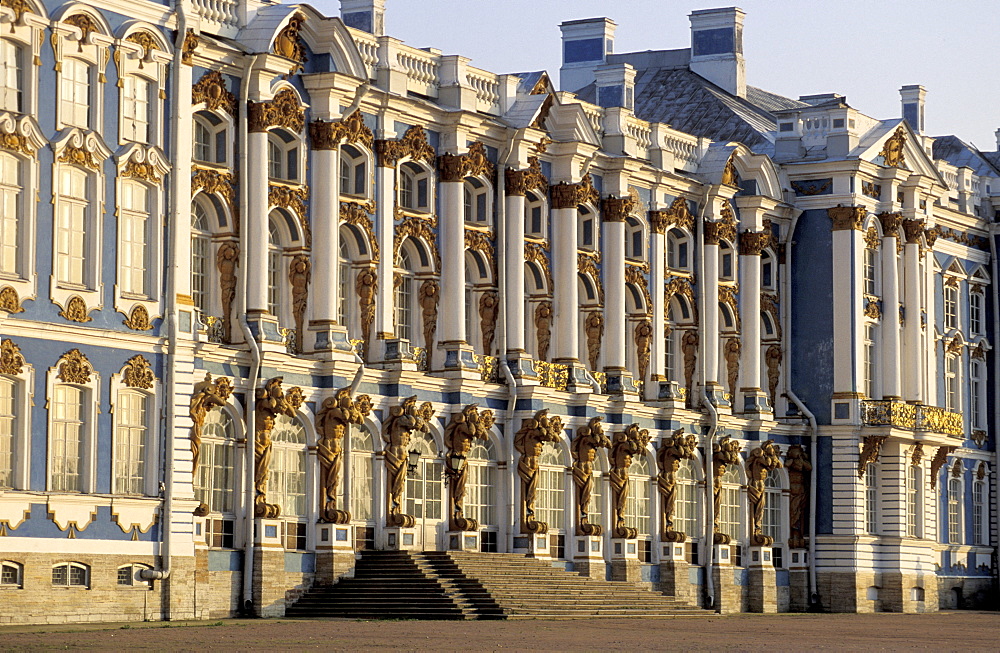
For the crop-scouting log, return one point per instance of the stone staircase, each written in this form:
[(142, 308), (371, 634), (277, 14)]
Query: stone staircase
[(455, 585)]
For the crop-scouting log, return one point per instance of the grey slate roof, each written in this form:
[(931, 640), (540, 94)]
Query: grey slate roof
[(959, 153)]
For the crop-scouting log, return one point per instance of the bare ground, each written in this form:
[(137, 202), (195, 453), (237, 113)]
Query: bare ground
[(944, 631)]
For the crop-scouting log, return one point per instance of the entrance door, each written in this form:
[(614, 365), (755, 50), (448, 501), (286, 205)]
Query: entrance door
[(424, 493)]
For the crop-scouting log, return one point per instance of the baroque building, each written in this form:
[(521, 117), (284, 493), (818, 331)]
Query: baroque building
[(277, 288)]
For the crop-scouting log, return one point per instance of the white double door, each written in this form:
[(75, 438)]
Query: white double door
[(425, 501)]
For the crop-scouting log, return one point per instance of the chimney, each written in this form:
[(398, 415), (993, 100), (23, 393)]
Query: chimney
[(365, 15), (912, 98), (997, 134), (717, 48), (586, 45), (615, 85)]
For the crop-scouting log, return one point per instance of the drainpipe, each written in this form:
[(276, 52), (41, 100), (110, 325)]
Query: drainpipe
[(713, 414), (994, 231), (167, 505), (255, 354), (512, 383), (786, 309)]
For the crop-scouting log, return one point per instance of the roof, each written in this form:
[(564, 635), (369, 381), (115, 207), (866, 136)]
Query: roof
[(959, 153)]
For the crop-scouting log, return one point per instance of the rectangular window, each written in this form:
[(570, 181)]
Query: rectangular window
[(134, 237), (479, 502), (221, 533), (979, 512), (870, 360), (913, 494), (637, 504), (869, 271), (548, 505), (359, 179), (288, 481), (951, 383), (10, 214), (669, 356), (273, 279), (954, 516), (200, 246), (75, 93), (536, 220), (11, 76), (214, 486), (685, 518), (130, 443), (976, 313), (729, 519), (772, 514), (404, 310), (950, 307), (66, 439), (136, 109), (361, 486), (202, 142), (587, 233), (976, 394), (871, 499), (72, 233), (295, 535), (8, 430)]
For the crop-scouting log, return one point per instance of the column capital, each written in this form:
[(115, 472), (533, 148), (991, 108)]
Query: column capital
[(716, 231), (569, 196), (283, 111), (413, 144), (891, 223), (847, 217), (752, 243), (519, 182), (456, 167), (616, 209), (913, 229), (329, 135)]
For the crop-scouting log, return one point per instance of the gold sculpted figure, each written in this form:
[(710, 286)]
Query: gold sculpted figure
[(762, 460), (462, 430), (403, 420), (270, 402), (535, 432), (672, 451), (332, 423), (626, 444), (584, 448)]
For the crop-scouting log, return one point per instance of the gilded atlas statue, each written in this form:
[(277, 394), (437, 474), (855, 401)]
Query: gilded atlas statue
[(270, 401), (584, 448), (462, 430), (798, 466), (626, 444), (672, 451), (535, 432), (760, 463), (332, 422), (402, 421), (208, 394), (725, 452)]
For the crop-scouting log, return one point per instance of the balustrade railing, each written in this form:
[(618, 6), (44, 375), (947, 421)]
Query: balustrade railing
[(913, 417), (552, 375), (489, 368)]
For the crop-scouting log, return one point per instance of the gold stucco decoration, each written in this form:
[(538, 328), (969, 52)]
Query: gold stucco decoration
[(219, 183), (519, 182), (489, 306), (616, 209), (138, 319), (543, 328), (798, 467), (643, 335), (528, 442), (226, 261), (772, 361), (729, 175), (672, 451), (366, 285), (428, 297), (761, 461), (455, 167), (937, 462), (288, 43), (188, 47), (846, 217), (534, 253), (870, 448), (283, 111), (14, 142), (74, 368), (624, 446), (351, 129), (76, 310), (79, 156), (11, 359), (299, 275), (635, 276), (402, 422), (137, 373), (918, 454), (893, 154), (462, 430), (213, 91), (587, 265), (208, 394), (584, 448), (85, 24), (594, 328), (332, 422), (689, 349), (294, 199), (570, 196), (725, 452), (413, 144), (417, 228), (731, 354), (9, 300), (358, 215), (270, 401)]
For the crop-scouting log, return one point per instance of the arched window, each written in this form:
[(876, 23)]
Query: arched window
[(11, 253), (638, 502), (287, 485), (871, 498), (71, 574), (687, 500), (772, 506), (68, 411), (481, 487), (201, 258), (362, 474), (353, 172), (550, 500), (132, 425), (768, 278), (129, 576), (477, 202), (534, 216), (134, 235), (275, 276), (414, 187), (405, 289), (677, 250), (766, 325), (635, 242), (344, 281), (216, 478), (727, 262), (954, 511), (283, 156), (588, 229), (11, 574), (731, 508), (914, 500), (11, 76), (137, 102), (211, 138)]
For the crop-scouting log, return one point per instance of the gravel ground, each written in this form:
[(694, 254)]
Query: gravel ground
[(944, 631)]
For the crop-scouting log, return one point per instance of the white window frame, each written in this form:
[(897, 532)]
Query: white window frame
[(977, 394), (136, 266), (135, 582), (977, 303), (774, 506), (218, 135), (210, 480), (952, 382), (588, 215), (951, 306), (203, 281), (477, 204), (635, 234), (26, 34), (690, 491), (550, 502), (151, 462), (954, 505), (69, 567), (638, 513), (726, 250), (291, 150), (361, 476), (135, 62), (872, 497), (678, 243), (354, 171), (18, 570), (980, 512), (91, 401), (409, 176), (405, 309), (731, 505), (282, 484), (23, 400), (20, 232), (137, 123), (532, 202), (481, 490), (914, 501)]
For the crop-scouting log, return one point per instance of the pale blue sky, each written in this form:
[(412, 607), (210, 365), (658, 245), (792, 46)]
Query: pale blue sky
[(865, 50)]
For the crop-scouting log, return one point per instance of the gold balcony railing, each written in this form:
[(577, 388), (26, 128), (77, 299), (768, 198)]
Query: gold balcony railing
[(914, 417), (420, 356), (552, 375), (489, 368)]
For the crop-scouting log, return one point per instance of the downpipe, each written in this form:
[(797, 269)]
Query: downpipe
[(813, 588)]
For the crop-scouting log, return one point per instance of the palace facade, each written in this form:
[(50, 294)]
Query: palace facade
[(276, 287)]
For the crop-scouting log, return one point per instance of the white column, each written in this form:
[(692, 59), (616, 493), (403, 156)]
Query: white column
[(891, 369), (514, 282), (326, 236), (750, 248), (710, 346), (451, 227), (928, 294), (256, 225), (913, 354), (385, 202), (657, 279), (565, 296), (180, 180), (613, 265), (848, 353)]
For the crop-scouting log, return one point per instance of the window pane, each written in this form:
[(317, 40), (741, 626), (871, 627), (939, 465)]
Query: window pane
[(8, 430), (66, 439)]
